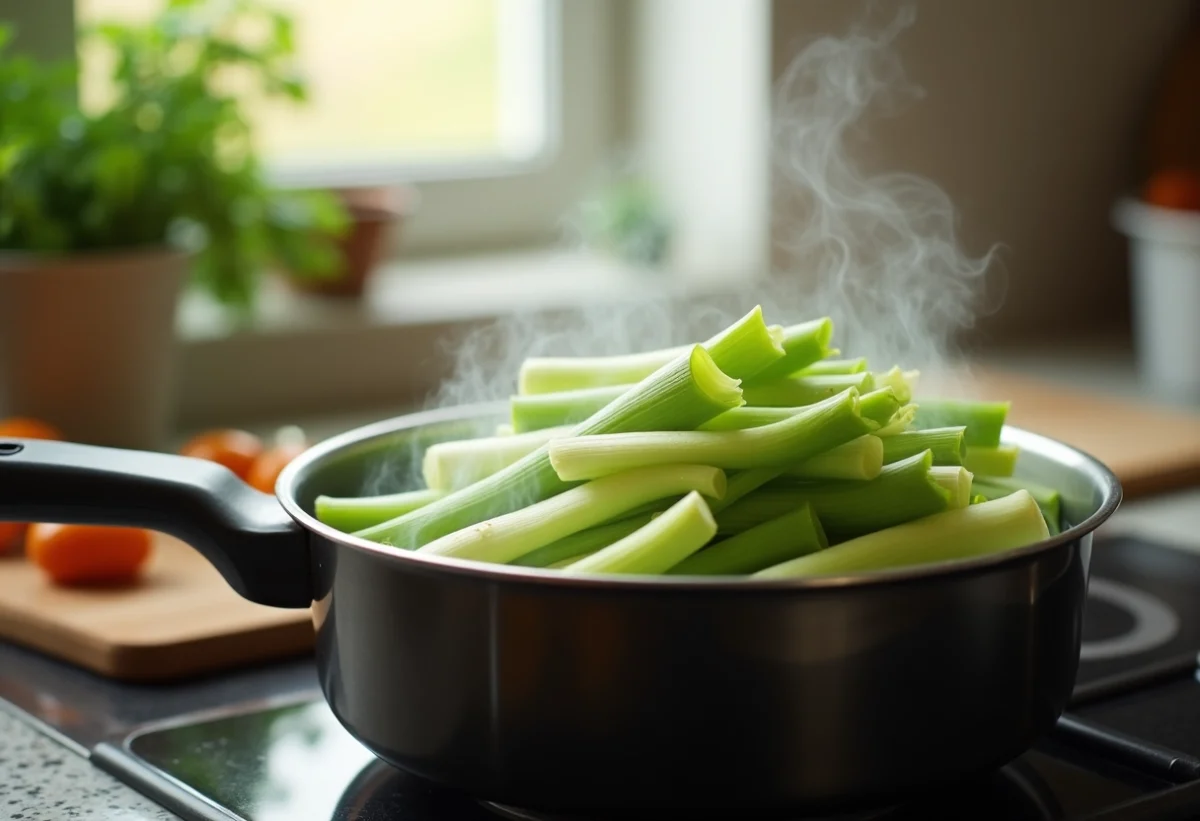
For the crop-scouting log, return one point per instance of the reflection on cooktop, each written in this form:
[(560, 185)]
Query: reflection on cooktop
[(295, 762), (1143, 607)]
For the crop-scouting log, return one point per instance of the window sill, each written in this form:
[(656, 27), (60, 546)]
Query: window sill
[(304, 354)]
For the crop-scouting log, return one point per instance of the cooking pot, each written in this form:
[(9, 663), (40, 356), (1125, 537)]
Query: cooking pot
[(580, 694)]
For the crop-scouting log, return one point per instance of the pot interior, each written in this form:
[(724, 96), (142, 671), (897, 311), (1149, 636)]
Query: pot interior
[(386, 458)]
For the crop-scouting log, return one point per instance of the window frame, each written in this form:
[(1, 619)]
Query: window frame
[(458, 206)]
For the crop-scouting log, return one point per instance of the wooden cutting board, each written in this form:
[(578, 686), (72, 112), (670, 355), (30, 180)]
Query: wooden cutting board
[(1152, 449), (181, 620)]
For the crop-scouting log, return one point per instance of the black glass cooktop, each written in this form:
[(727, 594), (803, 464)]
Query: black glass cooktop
[(1128, 750)]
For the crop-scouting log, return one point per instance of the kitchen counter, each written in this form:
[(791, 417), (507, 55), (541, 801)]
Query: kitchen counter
[(40, 780)]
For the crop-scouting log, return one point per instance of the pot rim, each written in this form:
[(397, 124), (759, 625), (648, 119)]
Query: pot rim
[(1100, 476)]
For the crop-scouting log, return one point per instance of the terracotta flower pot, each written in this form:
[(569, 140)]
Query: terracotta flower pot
[(374, 217), (87, 342)]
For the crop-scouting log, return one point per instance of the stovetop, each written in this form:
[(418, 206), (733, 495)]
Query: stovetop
[(1127, 750)]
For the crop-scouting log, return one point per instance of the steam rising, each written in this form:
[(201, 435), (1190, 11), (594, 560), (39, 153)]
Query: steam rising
[(878, 253)]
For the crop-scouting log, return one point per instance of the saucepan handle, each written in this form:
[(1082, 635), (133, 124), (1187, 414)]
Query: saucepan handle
[(262, 553)]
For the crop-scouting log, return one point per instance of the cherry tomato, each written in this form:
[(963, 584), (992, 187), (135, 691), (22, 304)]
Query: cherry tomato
[(1177, 188), (88, 554), (289, 443), (12, 534), (235, 449)]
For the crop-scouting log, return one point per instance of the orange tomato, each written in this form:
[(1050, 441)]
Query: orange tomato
[(88, 554), (20, 427), (12, 534), (1177, 188), (289, 443), (235, 449)]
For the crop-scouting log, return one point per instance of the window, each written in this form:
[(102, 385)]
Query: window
[(406, 89), (500, 111)]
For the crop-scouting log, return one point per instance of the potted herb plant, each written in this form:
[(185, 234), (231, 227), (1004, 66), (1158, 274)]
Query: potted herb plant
[(106, 215)]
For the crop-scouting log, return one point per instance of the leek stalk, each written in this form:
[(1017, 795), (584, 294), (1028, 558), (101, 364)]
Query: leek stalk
[(455, 464), (803, 345), (793, 534), (957, 481), (976, 530), (683, 395), (859, 459), (820, 427), (742, 350), (665, 541), (947, 445), (988, 461), (984, 421), (352, 513), (511, 535), (902, 492), (583, 543), (805, 390), (827, 367)]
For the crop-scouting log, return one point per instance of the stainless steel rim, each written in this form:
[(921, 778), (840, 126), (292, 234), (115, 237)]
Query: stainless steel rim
[(285, 492)]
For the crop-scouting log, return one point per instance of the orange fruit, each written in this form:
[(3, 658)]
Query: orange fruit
[(88, 554), (289, 443), (22, 427), (235, 449), (1177, 188), (11, 535)]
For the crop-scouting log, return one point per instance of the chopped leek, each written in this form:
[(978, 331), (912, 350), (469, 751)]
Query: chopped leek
[(351, 513), (957, 481), (1048, 499), (903, 491), (976, 530), (803, 345), (987, 461), (821, 427), (946, 443), (683, 395), (742, 350), (665, 541), (583, 543), (835, 366), (860, 459), (455, 464), (793, 534), (513, 534), (984, 421), (805, 390)]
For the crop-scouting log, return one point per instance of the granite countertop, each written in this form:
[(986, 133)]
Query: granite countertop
[(40, 780)]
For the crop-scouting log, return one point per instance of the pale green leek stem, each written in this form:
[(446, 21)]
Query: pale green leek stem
[(455, 464), (835, 366), (352, 513), (805, 390), (792, 534), (976, 530), (858, 459), (998, 461), (511, 535), (668, 539), (819, 428), (957, 481)]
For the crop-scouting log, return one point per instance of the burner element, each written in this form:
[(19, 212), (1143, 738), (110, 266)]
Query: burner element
[(1154, 623)]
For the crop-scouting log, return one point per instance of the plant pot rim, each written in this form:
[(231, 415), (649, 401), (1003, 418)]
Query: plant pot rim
[(25, 260)]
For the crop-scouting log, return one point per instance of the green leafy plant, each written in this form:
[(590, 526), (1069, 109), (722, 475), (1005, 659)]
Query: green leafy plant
[(171, 158)]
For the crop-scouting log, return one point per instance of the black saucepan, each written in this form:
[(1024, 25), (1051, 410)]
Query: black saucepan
[(534, 689)]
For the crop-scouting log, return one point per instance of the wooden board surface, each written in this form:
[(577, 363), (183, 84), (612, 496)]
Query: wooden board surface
[(181, 620), (1151, 449), (184, 620)]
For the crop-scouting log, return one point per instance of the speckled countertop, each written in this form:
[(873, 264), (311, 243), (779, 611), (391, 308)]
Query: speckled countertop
[(40, 780)]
